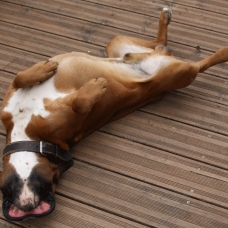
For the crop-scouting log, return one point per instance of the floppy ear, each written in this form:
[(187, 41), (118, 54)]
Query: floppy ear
[(65, 165)]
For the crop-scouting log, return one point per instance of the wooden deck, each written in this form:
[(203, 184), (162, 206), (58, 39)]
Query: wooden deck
[(165, 165)]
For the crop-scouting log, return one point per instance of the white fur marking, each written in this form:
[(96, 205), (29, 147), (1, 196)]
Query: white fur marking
[(27, 196), (23, 162), (149, 66), (27, 102)]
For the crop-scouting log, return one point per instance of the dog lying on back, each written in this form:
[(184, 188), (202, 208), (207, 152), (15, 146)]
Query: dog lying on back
[(54, 104)]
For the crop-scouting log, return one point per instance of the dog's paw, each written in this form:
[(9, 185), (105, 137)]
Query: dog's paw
[(89, 95), (35, 74), (96, 88), (167, 14), (223, 54), (45, 69), (165, 50)]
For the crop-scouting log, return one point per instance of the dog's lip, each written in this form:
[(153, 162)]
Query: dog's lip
[(11, 212), (43, 207)]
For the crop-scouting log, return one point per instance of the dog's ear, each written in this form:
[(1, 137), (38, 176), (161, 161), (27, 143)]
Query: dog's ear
[(64, 166)]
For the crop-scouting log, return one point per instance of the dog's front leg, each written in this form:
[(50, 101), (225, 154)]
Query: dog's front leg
[(35, 74), (83, 100)]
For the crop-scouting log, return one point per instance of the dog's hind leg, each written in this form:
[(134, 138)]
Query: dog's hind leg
[(121, 45), (35, 74), (181, 74), (220, 56)]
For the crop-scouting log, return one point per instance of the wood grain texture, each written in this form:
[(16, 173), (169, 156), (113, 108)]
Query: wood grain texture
[(172, 136), (137, 200), (154, 166), (183, 14)]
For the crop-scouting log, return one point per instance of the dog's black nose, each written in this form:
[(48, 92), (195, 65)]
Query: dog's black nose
[(27, 207)]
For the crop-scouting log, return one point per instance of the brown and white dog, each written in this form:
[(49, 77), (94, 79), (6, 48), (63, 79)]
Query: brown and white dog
[(47, 109)]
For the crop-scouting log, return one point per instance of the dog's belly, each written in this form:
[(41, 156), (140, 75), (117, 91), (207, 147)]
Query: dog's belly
[(78, 68), (27, 102)]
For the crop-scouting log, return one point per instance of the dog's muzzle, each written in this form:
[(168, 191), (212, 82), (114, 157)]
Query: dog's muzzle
[(14, 214)]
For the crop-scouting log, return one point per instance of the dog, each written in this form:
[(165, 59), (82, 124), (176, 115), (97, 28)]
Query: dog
[(55, 103)]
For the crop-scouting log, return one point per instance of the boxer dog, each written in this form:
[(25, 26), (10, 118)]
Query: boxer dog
[(54, 104)]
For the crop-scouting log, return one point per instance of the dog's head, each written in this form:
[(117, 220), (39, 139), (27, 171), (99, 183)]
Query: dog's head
[(28, 183)]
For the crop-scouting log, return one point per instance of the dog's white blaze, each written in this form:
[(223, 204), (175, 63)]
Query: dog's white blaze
[(27, 196), (27, 102), (23, 162)]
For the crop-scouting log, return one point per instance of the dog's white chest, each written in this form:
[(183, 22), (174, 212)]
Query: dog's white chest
[(27, 102)]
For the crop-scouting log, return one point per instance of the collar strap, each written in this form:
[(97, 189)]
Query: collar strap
[(44, 148)]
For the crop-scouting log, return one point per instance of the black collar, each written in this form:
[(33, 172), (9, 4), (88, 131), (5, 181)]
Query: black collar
[(50, 150)]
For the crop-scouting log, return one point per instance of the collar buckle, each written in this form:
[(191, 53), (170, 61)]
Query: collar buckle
[(42, 148)]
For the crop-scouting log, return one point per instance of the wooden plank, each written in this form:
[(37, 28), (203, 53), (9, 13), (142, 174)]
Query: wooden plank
[(178, 174), (193, 111), (209, 5), (14, 60), (171, 136), (208, 88), (57, 24), (7, 224), (129, 21), (139, 201), (43, 43), (5, 80), (182, 14)]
